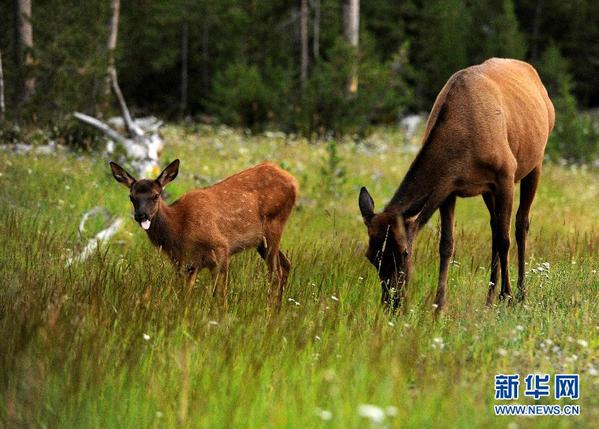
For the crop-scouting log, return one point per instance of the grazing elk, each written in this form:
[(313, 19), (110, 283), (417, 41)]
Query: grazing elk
[(204, 227), (487, 131)]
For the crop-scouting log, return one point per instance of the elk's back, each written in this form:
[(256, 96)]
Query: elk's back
[(495, 114)]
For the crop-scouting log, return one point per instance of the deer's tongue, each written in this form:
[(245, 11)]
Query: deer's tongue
[(145, 224)]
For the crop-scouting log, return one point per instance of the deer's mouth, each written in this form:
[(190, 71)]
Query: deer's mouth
[(145, 224)]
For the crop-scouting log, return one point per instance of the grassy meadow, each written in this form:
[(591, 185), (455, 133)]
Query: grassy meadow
[(112, 342)]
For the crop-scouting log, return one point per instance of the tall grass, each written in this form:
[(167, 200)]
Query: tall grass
[(112, 341)]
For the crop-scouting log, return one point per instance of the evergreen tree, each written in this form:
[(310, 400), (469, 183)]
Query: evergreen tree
[(444, 43)]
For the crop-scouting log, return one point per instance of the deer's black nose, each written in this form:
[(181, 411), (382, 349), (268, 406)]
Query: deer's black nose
[(140, 217)]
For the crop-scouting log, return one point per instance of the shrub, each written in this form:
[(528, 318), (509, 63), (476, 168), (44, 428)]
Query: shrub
[(243, 96), (575, 137), (325, 105)]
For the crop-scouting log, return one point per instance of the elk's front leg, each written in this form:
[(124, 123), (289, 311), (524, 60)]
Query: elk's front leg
[(220, 273), (445, 248), (191, 275), (490, 203)]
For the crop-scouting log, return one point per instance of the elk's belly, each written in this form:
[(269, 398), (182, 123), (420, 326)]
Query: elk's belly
[(466, 190)]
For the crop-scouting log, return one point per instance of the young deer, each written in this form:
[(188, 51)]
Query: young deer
[(204, 227), (487, 131)]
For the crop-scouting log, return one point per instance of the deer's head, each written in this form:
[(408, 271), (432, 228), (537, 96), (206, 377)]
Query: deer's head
[(145, 194), (389, 249)]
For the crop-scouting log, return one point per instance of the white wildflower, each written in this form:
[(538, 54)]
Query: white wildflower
[(325, 415), (371, 412), (438, 343), (582, 343), (146, 337)]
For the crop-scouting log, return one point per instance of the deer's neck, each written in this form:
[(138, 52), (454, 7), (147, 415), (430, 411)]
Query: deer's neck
[(421, 180), (162, 231)]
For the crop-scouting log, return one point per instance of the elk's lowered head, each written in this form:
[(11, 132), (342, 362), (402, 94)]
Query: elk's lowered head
[(145, 194), (389, 249)]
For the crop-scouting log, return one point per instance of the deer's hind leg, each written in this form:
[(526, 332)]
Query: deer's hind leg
[(278, 264), (528, 188), (504, 199)]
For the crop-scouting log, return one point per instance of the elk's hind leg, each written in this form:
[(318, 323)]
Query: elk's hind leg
[(490, 203), (528, 189), (278, 264), (504, 200), (284, 266)]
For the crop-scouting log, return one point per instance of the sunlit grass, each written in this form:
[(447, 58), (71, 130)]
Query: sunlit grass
[(112, 342)]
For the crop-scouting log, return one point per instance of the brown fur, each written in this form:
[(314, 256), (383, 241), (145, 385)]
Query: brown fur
[(204, 227), (487, 131)]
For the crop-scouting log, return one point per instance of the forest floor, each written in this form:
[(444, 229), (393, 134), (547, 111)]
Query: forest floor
[(113, 342)]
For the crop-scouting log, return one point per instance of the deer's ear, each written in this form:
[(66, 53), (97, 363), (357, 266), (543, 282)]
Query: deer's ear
[(366, 204), (121, 175), (169, 173)]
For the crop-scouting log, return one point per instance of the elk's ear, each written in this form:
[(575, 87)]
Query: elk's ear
[(169, 173), (366, 204), (121, 175)]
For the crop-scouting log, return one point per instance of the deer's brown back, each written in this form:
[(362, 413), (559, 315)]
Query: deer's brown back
[(235, 210), (490, 117)]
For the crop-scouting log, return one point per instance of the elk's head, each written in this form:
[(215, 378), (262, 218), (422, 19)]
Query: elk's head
[(389, 249), (145, 193)]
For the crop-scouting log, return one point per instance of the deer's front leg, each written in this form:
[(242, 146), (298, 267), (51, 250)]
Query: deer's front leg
[(220, 272), (191, 275), (445, 249)]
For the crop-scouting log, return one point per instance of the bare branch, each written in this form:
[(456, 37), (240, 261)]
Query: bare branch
[(100, 126), (93, 244), (133, 130)]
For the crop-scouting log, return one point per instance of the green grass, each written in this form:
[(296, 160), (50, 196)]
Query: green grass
[(111, 342)]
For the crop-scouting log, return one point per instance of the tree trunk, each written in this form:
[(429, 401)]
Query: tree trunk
[(2, 106), (534, 48), (113, 29), (351, 31), (184, 65), (24, 47), (205, 57), (304, 41), (316, 29)]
